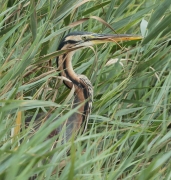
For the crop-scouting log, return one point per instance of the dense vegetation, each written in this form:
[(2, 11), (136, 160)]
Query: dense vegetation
[(128, 135)]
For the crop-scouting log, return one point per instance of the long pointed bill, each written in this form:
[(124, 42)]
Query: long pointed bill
[(102, 38)]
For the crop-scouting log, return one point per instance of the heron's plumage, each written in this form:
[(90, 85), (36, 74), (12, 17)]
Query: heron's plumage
[(83, 95)]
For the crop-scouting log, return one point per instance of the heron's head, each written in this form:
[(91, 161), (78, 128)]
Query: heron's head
[(85, 39)]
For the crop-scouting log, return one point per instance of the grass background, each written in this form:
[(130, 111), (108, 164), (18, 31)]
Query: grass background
[(127, 136)]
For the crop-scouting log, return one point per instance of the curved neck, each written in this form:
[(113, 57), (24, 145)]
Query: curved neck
[(66, 69), (83, 89)]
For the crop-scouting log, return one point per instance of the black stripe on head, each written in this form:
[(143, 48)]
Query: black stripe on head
[(61, 45), (63, 41)]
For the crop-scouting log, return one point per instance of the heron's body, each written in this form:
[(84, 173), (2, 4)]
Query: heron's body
[(83, 95)]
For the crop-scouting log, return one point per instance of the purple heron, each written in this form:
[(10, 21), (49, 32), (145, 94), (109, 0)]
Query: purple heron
[(83, 95)]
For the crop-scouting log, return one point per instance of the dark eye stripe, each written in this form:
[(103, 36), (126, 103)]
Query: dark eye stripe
[(71, 42), (66, 42)]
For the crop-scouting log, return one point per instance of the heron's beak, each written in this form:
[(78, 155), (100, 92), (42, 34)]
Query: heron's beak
[(102, 38)]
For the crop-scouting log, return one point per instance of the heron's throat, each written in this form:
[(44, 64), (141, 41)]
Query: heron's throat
[(66, 70)]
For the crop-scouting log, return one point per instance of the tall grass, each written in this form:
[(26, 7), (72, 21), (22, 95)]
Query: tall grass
[(127, 136)]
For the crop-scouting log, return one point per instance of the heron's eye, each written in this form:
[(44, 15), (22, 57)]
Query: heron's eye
[(84, 38)]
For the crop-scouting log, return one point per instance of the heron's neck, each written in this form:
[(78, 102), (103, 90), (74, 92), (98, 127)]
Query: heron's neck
[(82, 92), (66, 69)]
